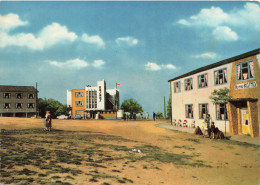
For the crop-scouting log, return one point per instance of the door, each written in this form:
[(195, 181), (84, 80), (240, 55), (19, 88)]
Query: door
[(245, 121)]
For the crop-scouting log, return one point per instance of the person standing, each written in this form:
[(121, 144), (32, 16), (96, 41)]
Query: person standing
[(48, 120), (154, 116), (208, 122), (147, 115)]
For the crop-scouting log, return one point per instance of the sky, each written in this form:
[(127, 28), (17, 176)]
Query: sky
[(68, 45)]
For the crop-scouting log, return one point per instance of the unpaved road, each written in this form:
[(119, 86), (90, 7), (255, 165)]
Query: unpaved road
[(208, 161)]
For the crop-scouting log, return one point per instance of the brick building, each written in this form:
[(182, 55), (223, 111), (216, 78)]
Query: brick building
[(240, 74), (18, 101)]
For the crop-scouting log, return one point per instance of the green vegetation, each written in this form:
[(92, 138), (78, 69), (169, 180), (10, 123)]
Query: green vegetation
[(131, 106), (54, 106)]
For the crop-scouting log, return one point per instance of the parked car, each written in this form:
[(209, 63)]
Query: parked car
[(78, 116), (62, 117)]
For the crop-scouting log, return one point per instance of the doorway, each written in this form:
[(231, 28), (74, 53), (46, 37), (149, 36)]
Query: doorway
[(245, 121)]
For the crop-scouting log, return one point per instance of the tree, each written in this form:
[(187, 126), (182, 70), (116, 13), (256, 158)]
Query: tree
[(169, 107), (131, 106), (54, 106), (159, 115), (221, 96)]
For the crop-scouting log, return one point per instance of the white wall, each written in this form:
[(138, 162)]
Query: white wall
[(198, 96), (69, 101)]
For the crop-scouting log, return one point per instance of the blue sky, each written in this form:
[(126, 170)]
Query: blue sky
[(67, 45)]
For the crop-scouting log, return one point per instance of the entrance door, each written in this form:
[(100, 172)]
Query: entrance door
[(245, 121)]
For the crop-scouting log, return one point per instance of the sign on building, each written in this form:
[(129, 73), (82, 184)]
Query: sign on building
[(246, 85)]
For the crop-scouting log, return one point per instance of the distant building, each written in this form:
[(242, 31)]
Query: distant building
[(240, 74), (18, 101), (93, 101)]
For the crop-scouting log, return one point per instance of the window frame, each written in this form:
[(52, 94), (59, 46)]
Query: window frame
[(80, 93), (187, 111), (174, 90), (16, 106), (9, 106), (29, 95), (219, 119), (225, 68), (188, 79), (28, 105), (248, 72), (16, 95), (206, 111), (204, 80)]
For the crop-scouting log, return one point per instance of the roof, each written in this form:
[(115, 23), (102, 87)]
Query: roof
[(8, 88), (220, 63)]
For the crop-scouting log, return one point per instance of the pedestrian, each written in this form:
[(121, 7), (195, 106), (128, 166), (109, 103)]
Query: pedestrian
[(48, 120), (147, 115), (154, 116), (208, 123)]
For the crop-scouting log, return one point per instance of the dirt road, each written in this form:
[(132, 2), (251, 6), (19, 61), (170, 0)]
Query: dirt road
[(165, 157)]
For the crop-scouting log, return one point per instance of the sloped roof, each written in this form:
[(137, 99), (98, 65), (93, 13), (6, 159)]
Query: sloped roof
[(222, 62), (8, 88)]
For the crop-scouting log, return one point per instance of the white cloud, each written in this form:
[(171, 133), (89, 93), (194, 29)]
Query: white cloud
[(74, 63), (11, 21), (210, 55), (225, 33), (98, 63), (207, 17), (152, 66), (130, 41), (48, 36), (218, 20), (93, 40)]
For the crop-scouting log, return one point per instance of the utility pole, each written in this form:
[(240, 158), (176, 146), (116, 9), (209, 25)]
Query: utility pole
[(164, 108), (37, 113)]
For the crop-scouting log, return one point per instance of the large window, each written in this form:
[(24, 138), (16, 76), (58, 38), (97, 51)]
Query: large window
[(220, 76), (188, 84), (30, 105), (177, 87), (189, 111), (203, 80), (30, 96), (18, 105), (78, 94), (220, 112), (79, 103), (7, 95), (245, 70), (7, 105), (203, 110), (19, 95)]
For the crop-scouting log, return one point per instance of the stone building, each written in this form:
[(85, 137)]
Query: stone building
[(240, 74), (18, 101)]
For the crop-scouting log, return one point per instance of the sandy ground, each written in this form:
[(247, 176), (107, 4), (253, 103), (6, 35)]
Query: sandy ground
[(229, 163)]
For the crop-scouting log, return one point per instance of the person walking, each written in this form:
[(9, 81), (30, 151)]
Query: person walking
[(48, 120)]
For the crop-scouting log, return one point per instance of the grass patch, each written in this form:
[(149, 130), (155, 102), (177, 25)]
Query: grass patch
[(193, 140), (243, 144), (184, 147)]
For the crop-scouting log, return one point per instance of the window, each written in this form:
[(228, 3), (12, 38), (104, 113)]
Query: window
[(78, 94), (19, 95), (188, 84), (189, 111), (18, 105), (79, 103), (30, 96), (220, 111), (30, 105), (203, 80), (177, 87), (7, 105), (245, 70), (100, 97), (203, 110), (220, 76), (7, 95)]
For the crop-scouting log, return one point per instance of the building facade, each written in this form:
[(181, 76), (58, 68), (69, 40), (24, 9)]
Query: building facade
[(93, 101), (18, 101), (240, 74)]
